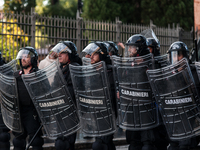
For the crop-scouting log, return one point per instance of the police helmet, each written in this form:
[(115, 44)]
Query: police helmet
[(66, 47), (151, 42), (177, 51), (112, 47), (137, 42), (97, 47), (28, 52)]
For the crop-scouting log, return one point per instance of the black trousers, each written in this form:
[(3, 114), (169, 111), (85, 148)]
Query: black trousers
[(30, 122)]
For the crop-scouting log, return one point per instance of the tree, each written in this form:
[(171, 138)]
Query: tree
[(142, 11), (167, 12), (61, 8), (23, 6), (126, 10), (10, 41)]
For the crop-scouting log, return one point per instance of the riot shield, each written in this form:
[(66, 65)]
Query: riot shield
[(93, 98), (162, 60), (148, 33), (9, 68), (9, 103), (177, 98), (52, 100), (137, 108), (86, 61), (197, 65)]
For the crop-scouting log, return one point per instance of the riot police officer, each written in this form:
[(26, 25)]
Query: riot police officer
[(112, 48), (161, 139), (67, 54), (27, 57), (98, 51), (136, 46), (176, 52), (4, 131), (154, 47)]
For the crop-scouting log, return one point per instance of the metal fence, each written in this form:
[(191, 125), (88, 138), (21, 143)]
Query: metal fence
[(19, 30)]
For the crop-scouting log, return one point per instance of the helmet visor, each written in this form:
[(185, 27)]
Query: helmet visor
[(24, 53), (84, 54), (173, 57), (60, 48), (90, 49), (130, 51)]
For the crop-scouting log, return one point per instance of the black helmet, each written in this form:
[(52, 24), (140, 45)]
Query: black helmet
[(151, 42), (139, 42), (66, 47), (176, 50), (97, 47), (103, 50), (72, 47), (112, 47), (28, 51)]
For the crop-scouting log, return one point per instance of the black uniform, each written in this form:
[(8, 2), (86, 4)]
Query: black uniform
[(192, 142), (176, 49), (100, 48), (106, 142), (67, 142), (29, 118), (143, 139)]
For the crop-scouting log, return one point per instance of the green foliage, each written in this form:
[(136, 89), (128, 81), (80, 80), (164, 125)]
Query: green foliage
[(39, 7), (10, 42), (62, 8), (160, 12), (167, 12), (126, 10), (23, 6)]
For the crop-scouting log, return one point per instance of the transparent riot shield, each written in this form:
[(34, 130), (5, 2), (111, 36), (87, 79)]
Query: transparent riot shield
[(92, 92), (177, 98), (86, 61), (9, 103), (197, 65), (148, 33), (162, 60), (137, 108), (9, 68), (55, 107)]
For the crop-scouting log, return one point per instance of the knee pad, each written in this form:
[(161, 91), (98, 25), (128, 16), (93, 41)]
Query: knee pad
[(99, 145), (62, 144), (4, 137), (19, 144)]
